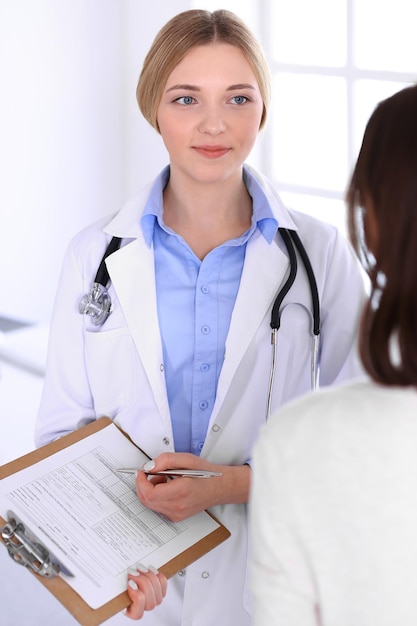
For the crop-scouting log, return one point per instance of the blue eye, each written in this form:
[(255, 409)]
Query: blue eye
[(185, 100), (240, 99)]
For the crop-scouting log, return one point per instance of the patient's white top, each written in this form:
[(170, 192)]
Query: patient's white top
[(334, 510)]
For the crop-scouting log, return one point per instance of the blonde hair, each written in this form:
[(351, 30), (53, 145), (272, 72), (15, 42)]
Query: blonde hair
[(185, 31)]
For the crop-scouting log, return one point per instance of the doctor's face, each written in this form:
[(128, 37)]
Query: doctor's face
[(210, 112)]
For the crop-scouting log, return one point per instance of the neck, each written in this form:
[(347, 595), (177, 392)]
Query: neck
[(192, 201), (207, 214)]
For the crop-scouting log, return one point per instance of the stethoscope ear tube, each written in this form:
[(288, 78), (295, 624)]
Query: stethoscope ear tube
[(102, 276), (311, 280), (275, 314), (316, 309), (290, 236)]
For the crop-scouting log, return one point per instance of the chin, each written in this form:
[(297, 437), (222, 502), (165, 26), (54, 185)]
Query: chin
[(214, 173)]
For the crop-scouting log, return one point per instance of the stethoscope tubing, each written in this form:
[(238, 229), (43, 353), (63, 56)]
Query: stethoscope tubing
[(290, 237), (102, 276)]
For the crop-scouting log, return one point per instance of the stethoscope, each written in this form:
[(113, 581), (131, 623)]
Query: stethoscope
[(290, 236), (97, 302)]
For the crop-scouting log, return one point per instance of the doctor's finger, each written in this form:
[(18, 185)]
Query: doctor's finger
[(146, 484), (146, 588), (138, 599), (175, 460), (154, 585)]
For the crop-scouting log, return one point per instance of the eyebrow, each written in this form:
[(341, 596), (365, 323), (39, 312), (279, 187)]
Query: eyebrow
[(187, 87), (183, 88)]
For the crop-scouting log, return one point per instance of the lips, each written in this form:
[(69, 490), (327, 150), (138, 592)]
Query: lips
[(211, 152)]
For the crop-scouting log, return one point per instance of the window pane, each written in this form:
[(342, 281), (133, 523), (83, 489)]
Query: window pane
[(326, 209), (367, 94), (309, 130), (385, 35), (308, 33)]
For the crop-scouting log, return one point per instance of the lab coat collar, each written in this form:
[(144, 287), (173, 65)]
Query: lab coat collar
[(126, 223), (278, 208), (132, 275)]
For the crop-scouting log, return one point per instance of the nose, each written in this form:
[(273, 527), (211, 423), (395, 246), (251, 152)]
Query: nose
[(212, 121)]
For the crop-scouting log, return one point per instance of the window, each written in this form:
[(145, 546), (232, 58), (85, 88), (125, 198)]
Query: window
[(331, 62)]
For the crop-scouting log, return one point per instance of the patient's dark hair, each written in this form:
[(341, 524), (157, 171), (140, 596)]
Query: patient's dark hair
[(384, 183)]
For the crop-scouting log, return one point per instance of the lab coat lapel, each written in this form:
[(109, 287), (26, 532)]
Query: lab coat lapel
[(132, 274), (264, 271)]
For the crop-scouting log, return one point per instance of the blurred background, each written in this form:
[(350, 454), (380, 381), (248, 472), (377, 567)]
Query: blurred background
[(74, 147)]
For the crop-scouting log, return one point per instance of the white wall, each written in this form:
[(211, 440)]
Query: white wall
[(73, 143)]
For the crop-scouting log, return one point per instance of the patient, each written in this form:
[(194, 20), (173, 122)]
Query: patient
[(333, 511)]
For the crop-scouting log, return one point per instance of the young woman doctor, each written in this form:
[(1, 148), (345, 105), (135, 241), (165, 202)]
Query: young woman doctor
[(182, 363)]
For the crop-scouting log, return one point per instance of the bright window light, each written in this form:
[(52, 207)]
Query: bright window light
[(308, 33), (309, 130)]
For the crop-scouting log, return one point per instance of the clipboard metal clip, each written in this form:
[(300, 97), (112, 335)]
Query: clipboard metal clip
[(25, 550)]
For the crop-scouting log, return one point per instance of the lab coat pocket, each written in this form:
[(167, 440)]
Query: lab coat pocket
[(112, 366)]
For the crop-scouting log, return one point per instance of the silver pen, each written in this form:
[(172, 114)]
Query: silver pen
[(172, 472)]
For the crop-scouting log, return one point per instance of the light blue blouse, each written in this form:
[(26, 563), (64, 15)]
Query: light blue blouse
[(195, 301)]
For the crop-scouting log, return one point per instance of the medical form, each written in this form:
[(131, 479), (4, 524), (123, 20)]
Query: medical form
[(88, 514)]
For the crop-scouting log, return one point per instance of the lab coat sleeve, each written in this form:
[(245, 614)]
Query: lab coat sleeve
[(342, 298), (66, 402), (281, 584)]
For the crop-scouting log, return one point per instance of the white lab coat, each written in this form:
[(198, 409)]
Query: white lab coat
[(117, 370)]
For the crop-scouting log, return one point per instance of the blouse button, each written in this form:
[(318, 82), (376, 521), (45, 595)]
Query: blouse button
[(205, 575), (166, 441)]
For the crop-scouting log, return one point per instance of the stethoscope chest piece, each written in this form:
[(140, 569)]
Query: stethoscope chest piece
[(96, 304)]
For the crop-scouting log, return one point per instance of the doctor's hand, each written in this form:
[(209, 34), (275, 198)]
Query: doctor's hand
[(179, 498), (146, 588)]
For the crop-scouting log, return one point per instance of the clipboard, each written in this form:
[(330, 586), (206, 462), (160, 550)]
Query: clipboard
[(67, 596)]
